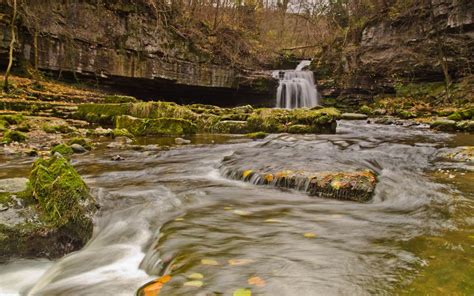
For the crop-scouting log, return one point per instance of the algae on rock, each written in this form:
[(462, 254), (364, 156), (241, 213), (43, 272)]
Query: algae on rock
[(56, 213)]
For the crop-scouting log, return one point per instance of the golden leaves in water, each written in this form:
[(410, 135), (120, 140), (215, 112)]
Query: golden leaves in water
[(256, 281), (196, 284), (195, 276), (154, 288), (309, 235), (209, 262), (241, 212), (234, 262), (242, 292)]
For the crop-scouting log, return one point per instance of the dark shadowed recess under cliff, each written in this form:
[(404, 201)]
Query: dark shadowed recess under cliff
[(407, 44), (130, 47)]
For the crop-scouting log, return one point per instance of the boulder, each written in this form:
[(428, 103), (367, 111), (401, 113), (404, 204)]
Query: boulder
[(444, 125), (355, 186), (78, 148), (52, 217)]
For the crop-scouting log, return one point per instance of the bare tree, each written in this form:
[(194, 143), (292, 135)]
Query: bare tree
[(6, 86)]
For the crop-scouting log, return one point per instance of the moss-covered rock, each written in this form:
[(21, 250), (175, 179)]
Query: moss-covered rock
[(354, 116), (121, 132), (56, 216), (257, 135), (365, 110), (465, 125), (159, 126), (456, 116), (63, 149), (81, 141), (444, 125), (14, 136), (299, 129), (230, 127)]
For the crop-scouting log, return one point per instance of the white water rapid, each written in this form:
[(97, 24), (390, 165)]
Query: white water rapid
[(296, 88)]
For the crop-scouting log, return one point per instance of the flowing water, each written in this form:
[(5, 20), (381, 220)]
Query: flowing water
[(172, 212), (296, 88)]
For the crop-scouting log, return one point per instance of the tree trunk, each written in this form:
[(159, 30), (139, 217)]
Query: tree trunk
[(6, 87)]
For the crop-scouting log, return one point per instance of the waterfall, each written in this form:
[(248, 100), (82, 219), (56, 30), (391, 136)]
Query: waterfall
[(296, 88)]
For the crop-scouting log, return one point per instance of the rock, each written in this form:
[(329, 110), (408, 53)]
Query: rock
[(462, 154), (299, 129), (123, 140), (355, 186), (181, 141), (230, 127), (159, 126), (465, 125), (78, 148), (117, 158), (13, 185), (444, 125), (62, 149), (257, 135), (56, 218), (354, 116)]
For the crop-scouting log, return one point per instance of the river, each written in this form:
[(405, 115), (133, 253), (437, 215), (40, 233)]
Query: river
[(172, 211)]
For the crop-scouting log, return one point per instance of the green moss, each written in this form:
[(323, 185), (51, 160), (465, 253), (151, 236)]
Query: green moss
[(62, 149), (119, 99), (268, 120), (299, 129), (81, 141), (159, 126), (13, 119), (257, 135), (3, 125), (53, 129), (456, 116), (14, 136), (467, 113), (24, 127), (62, 194), (230, 127), (365, 110), (121, 132), (406, 114)]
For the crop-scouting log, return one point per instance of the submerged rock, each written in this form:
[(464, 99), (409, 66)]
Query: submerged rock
[(463, 154), (444, 125), (355, 186), (52, 217)]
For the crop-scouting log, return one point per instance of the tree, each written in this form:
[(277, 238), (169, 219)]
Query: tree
[(6, 86)]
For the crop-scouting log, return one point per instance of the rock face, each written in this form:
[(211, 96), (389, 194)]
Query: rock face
[(121, 44), (399, 46)]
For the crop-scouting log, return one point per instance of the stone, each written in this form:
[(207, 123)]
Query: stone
[(354, 185), (13, 185), (158, 126), (231, 127), (117, 158), (444, 125), (55, 217), (354, 116), (78, 148), (181, 141)]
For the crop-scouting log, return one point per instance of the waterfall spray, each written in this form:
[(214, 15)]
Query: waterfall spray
[(296, 88)]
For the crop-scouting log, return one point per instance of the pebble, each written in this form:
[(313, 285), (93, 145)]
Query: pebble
[(181, 141), (117, 158)]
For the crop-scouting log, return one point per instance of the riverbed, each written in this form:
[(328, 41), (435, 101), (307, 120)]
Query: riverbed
[(172, 212)]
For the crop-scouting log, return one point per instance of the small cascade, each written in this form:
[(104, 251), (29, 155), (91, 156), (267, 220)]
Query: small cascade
[(296, 88)]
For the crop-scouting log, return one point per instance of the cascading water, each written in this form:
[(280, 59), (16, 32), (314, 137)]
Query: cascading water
[(296, 88)]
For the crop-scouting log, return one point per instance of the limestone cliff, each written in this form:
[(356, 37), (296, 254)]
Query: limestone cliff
[(128, 46), (399, 47)]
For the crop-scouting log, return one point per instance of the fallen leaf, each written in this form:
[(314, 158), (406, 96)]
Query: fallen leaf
[(256, 281), (154, 288), (240, 261), (196, 284), (246, 173), (195, 276), (471, 236), (242, 292), (228, 208), (309, 235), (241, 213), (273, 221), (209, 262), (179, 219)]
